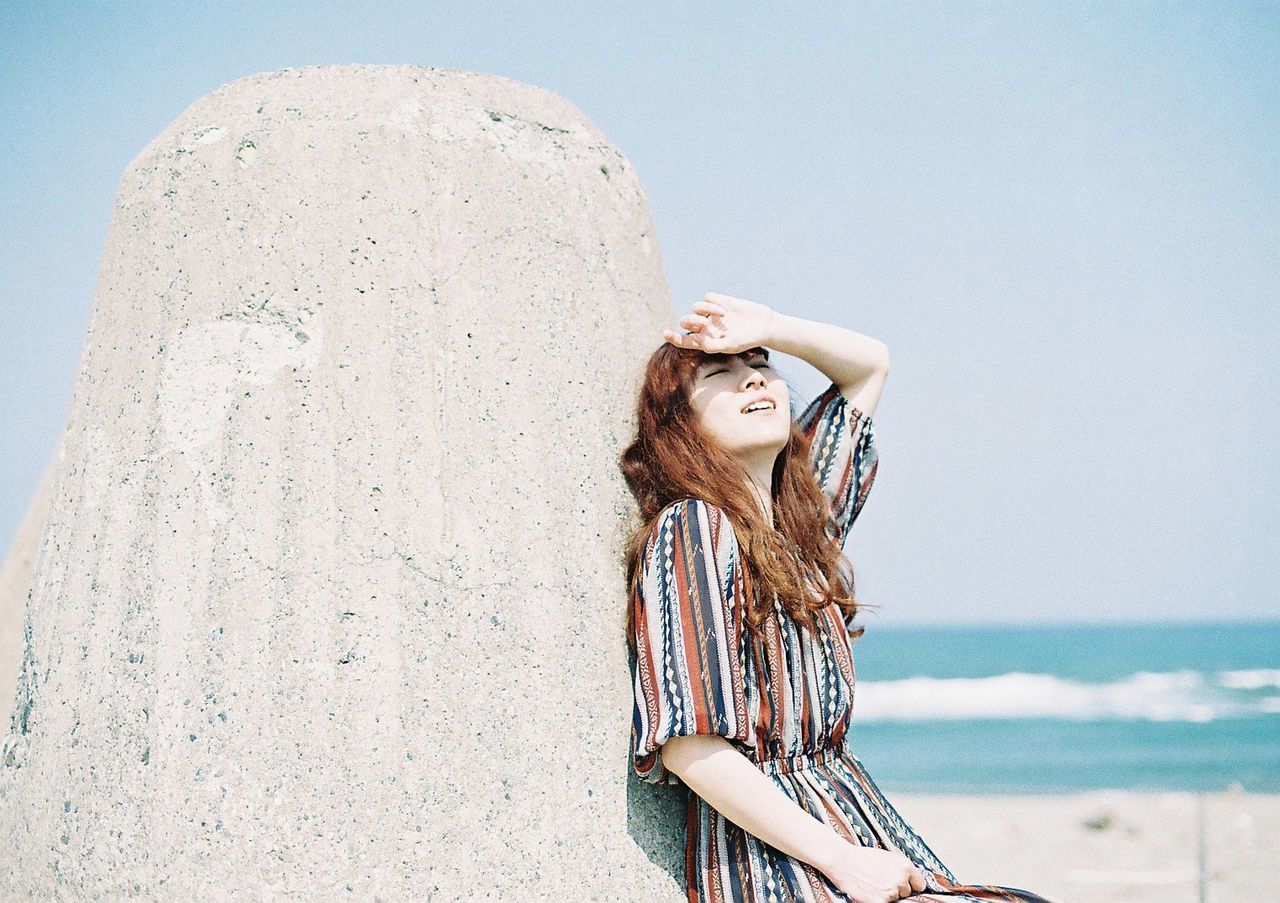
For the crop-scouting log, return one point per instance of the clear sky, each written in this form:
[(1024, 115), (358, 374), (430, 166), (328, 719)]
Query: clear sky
[(1061, 218)]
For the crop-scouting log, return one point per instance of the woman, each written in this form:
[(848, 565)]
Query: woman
[(741, 611)]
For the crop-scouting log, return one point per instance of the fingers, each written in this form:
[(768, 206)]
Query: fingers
[(914, 882), (700, 341), (700, 326), (684, 340), (695, 323), (917, 880)]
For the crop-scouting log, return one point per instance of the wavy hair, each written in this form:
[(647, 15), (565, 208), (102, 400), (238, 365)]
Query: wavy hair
[(673, 458)]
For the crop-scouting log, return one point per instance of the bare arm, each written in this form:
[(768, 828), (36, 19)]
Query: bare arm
[(729, 782), (857, 363)]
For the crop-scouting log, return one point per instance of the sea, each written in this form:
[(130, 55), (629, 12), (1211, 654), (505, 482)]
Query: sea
[(1061, 708)]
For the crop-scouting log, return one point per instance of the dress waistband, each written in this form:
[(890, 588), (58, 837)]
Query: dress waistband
[(788, 764)]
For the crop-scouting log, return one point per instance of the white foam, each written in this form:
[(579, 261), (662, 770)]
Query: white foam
[(1152, 696), (1253, 679)]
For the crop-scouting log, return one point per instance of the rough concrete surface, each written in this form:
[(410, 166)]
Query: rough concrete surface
[(327, 600), (15, 583)]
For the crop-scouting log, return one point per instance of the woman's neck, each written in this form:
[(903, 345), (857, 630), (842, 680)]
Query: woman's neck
[(763, 494)]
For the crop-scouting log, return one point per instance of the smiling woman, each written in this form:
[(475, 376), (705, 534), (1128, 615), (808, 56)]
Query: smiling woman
[(740, 615), (726, 389)]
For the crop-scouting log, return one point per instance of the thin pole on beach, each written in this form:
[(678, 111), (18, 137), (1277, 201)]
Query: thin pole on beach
[(1200, 852)]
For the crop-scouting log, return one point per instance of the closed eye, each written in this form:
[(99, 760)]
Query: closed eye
[(763, 365)]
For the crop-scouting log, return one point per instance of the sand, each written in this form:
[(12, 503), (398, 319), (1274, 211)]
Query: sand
[(1107, 846)]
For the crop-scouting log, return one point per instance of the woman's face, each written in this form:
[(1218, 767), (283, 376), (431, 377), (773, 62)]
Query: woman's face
[(721, 392)]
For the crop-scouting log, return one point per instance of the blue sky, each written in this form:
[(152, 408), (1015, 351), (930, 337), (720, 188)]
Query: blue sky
[(1061, 218)]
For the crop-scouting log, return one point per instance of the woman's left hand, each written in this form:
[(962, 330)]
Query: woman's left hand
[(725, 325)]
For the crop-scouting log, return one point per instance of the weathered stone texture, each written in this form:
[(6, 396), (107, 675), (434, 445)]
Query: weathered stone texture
[(328, 596)]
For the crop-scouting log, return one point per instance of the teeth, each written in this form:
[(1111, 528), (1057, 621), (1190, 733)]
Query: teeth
[(759, 406)]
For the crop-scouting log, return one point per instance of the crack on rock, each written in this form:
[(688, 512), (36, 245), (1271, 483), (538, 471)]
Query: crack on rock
[(431, 578), (498, 116), (20, 720)]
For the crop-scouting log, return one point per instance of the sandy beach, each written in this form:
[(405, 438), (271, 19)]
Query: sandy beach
[(1107, 846)]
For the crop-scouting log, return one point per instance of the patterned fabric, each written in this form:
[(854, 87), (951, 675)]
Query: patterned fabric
[(784, 700)]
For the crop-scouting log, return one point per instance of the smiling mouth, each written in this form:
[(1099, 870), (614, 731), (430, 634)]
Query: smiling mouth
[(768, 409)]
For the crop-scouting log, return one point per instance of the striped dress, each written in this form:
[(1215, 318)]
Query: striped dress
[(784, 701)]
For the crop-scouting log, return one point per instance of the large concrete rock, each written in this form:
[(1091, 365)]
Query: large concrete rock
[(15, 584), (329, 596)]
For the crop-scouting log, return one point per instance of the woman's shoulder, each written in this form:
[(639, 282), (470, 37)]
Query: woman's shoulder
[(693, 515), (692, 507)]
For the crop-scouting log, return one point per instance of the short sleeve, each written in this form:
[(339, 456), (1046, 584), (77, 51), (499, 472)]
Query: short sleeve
[(688, 622), (842, 452)]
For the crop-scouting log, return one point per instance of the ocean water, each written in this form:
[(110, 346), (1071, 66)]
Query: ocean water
[(1056, 708)]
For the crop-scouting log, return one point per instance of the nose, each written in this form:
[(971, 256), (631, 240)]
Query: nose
[(754, 378)]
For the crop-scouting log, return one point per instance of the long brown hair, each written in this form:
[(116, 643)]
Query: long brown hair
[(672, 458)]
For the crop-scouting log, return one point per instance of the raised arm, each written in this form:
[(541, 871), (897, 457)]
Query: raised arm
[(857, 364), (838, 421)]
